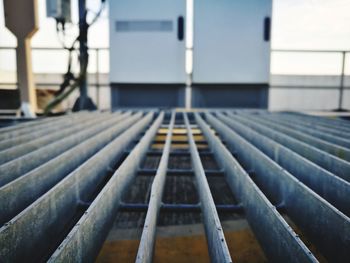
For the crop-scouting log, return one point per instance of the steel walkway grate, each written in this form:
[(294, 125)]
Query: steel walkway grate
[(64, 180)]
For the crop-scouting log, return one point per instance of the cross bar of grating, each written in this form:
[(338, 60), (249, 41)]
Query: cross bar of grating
[(57, 207), (268, 225), (218, 249), (63, 179), (329, 162), (98, 218), (301, 203), (329, 186), (146, 247)]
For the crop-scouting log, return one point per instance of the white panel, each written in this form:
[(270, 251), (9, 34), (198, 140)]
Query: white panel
[(229, 45), (144, 45)]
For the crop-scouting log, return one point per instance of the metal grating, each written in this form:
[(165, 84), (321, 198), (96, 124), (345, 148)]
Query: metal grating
[(64, 180)]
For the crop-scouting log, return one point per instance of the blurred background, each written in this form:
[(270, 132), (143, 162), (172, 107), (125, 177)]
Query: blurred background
[(308, 43)]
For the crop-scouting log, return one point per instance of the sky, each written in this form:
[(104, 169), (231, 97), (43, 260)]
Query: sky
[(296, 24)]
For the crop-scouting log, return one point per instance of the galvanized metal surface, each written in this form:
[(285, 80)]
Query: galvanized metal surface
[(63, 179)]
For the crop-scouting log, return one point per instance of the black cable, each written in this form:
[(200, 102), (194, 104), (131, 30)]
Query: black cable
[(61, 94)]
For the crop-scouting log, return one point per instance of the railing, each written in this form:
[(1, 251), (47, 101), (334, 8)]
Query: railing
[(96, 51), (343, 54), (96, 65)]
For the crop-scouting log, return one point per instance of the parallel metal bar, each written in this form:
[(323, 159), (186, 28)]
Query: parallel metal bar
[(329, 162), (55, 127), (310, 131), (23, 149), (279, 241), (307, 209), (34, 126), (45, 220), (222, 208), (181, 172), (32, 185), (331, 187), (327, 122), (314, 125), (218, 249), (86, 238), (146, 246), (338, 151), (18, 167)]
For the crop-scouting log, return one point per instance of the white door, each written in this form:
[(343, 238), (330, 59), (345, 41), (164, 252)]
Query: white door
[(231, 41), (147, 41)]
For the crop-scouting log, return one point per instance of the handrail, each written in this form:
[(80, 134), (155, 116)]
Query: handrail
[(97, 50)]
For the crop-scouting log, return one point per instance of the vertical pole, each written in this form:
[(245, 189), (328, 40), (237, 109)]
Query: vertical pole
[(83, 28), (342, 78), (97, 78), (25, 77)]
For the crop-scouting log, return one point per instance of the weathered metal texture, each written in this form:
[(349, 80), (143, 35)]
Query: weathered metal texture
[(218, 249), (307, 209), (295, 125), (84, 241), (329, 162), (336, 124), (146, 247), (336, 150), (332, 188), (315, 125), (279, 241), (59, 125), (35, 183), (42, 223), (34, 126), (19, 166), (30, 146)]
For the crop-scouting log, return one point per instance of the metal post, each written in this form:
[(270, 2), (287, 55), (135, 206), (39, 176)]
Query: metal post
[(83, 52), (97, 76), (342, 77)]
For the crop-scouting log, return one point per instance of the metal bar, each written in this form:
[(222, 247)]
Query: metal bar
[(20, 166), (181, 172), (310, 131), (218, 249), (338, 151), (42, 223), (328, 122), (85, 239), (309, 50), (329, 162), (334, 189), (146, 246), (307, 209), (342, 78), (32, 185), (196, 208), (23, 149), (97, 78), (279, 241), (34, 126), (56, 126), (315, 125)]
